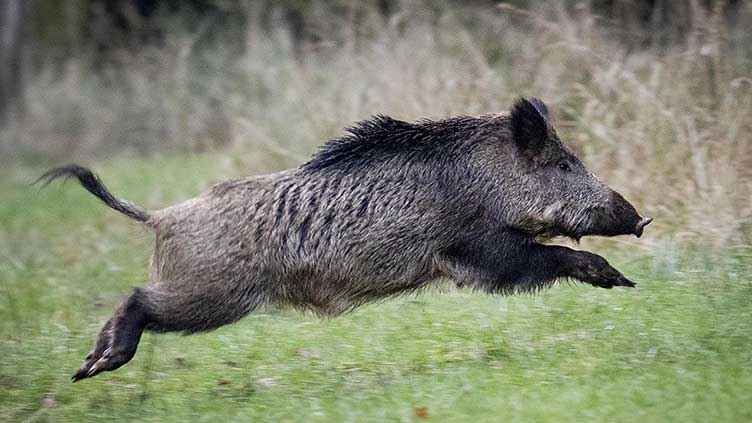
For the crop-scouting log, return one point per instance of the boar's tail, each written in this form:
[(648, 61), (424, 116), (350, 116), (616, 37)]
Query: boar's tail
[(94, 185)]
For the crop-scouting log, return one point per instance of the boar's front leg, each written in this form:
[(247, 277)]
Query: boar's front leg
[(541, 264), (523, 265)]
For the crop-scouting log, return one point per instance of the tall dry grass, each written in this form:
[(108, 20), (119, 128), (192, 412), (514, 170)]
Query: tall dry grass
[(670, 125)]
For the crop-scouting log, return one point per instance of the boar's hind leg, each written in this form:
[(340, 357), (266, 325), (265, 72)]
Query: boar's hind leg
[(117, 341), (165, 307)]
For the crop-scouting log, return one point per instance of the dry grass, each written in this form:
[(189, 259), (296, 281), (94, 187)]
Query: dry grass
[(668, 125)]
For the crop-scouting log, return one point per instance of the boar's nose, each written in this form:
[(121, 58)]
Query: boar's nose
[(645, 221)]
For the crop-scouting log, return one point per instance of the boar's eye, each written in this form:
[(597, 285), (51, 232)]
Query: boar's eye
[(564, 166)]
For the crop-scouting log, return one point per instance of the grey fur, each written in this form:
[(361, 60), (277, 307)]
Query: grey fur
[(387, 209)]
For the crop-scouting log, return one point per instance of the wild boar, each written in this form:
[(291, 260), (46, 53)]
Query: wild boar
[(386, 209)]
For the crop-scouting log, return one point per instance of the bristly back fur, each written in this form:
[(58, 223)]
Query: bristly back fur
[(383, 138), (94, 185)]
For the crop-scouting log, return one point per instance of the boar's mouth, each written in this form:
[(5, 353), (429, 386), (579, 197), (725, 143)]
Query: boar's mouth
[(635, 229), (610, 225), (592, 222), (544, 230)]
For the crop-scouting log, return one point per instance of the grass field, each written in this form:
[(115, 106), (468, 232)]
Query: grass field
[(676, 348)]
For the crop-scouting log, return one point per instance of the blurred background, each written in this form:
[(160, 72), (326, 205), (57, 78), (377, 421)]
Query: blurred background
[(655, 94), (165, 97)]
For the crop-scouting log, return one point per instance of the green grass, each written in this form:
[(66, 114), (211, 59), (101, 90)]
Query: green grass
[(677, 348)]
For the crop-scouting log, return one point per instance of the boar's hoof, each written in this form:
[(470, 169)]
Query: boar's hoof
[(595, 270), (619, 281), (622, 281), (110, 359)]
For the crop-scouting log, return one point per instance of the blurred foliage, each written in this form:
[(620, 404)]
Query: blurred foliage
[(662, 110), (74, 27)]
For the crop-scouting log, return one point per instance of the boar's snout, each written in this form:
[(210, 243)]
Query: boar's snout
[(621, 218), (645, 221)]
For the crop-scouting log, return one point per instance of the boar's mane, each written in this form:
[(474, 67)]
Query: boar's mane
[(382, 139)]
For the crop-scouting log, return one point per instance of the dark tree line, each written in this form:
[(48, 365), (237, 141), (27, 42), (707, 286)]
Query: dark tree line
[(13, 37), (39, 31)]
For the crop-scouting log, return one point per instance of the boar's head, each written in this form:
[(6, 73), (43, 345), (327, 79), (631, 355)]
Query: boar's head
[(547, 191)]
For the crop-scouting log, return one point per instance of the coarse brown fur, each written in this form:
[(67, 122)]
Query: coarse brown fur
[(386, 209)]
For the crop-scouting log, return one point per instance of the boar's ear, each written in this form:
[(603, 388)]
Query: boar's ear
[(540, 106), (529, 124)]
